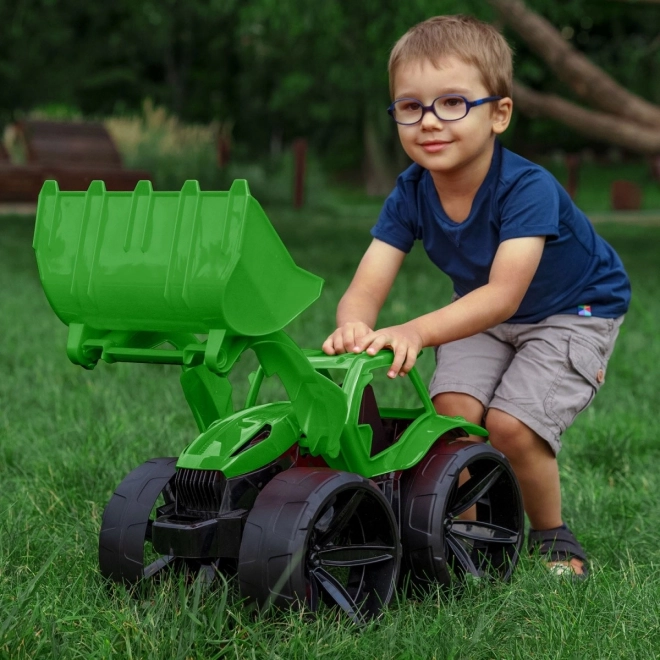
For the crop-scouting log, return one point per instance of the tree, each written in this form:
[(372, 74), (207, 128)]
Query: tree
[(281, 69), (323, 70), (620, 117)]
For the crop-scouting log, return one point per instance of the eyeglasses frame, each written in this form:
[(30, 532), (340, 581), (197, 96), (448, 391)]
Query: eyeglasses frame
[(430, 108)]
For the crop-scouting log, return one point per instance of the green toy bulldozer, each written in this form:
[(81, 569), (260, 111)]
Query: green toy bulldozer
[(322, 497)]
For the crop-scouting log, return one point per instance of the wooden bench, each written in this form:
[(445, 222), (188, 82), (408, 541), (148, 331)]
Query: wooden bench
[(72, 153)]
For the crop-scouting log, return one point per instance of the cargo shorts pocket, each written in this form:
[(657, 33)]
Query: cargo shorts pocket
[(577, 383)]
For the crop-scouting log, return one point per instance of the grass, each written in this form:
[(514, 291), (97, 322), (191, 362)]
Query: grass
[(69, 436)]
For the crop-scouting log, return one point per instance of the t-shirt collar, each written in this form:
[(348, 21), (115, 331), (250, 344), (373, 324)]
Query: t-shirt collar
[(486, 185)]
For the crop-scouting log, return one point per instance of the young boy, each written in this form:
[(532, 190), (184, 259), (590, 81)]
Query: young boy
[(538, 295)]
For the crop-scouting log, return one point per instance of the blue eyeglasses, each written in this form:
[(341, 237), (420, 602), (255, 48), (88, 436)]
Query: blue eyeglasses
[(449, 107)]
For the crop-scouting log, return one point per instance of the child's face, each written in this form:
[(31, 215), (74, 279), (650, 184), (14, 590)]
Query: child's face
[(449, 146)]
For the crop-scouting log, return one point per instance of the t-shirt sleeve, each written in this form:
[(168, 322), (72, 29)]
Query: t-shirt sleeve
[(531, 208), (395, 224)]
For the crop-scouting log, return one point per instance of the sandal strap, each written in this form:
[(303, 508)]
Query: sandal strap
[(557, 544)]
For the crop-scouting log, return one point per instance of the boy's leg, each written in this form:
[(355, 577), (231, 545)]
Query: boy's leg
[(452, 404), (535, 465), (558, 368), (467, 373), (531, 458), (536, 469)]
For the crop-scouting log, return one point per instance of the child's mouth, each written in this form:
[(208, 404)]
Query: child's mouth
[(433, 146)]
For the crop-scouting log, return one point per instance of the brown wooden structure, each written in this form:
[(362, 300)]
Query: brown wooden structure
[(18, 183), (72, 153), (625, 196)]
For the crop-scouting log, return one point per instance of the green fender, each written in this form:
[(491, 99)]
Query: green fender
[(223, 445)]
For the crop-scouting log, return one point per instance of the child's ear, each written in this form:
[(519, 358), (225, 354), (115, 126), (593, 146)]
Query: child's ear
[(501, 116)]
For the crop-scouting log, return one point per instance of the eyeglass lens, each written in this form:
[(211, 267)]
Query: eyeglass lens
[(449, 108)]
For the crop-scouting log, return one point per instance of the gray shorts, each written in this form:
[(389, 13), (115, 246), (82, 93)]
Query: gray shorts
[(543, 373)]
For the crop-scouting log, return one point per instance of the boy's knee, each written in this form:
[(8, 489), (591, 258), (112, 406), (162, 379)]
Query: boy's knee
[(452, 404), (508, 434)]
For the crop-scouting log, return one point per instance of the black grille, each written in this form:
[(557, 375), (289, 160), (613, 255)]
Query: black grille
[(199, 490)]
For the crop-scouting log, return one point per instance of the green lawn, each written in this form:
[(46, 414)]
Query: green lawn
[(68, 437)]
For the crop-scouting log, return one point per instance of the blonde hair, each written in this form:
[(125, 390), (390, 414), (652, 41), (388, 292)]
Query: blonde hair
[(464, 37)]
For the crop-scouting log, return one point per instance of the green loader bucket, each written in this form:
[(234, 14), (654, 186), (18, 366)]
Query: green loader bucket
[(189, 261)]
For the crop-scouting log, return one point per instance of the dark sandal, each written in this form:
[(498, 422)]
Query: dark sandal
[(558, 544)]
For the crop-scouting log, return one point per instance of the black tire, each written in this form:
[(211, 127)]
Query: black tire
[(125, 552), (318, 535), (438, 546)]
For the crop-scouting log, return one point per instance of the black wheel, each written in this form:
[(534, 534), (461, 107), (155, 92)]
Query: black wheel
[(125, 551), (440, 541), (317, 535)]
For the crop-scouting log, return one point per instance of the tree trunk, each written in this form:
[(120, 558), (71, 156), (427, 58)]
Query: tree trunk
[(572, 67), (597, 125), (378, 174)]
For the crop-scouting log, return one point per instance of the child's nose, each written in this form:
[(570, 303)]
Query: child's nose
[(430, 121)]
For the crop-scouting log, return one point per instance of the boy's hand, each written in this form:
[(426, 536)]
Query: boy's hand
[(405, 342), (345, 339)]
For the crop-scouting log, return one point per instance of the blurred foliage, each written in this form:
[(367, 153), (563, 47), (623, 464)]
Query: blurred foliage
[(278, 69), (174, 151)]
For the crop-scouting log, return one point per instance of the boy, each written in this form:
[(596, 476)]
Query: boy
[(538, 295)]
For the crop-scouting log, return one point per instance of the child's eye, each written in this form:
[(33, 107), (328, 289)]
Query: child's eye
[(452, 102), (408, 106)]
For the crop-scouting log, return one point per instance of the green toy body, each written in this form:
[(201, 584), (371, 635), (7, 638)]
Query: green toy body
[(219, 446), (196, 279)]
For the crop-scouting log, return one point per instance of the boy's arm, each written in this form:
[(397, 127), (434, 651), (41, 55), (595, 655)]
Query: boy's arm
[(513, 269), (358, 309)]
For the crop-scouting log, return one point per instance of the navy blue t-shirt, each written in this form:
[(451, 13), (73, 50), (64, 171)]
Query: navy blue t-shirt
[(579, 272)]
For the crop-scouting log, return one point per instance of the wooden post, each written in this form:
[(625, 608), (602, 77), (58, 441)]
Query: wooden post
[(573, 167), (299, 159), (654, 162), (224, 143), (223, 150), (625, 196)]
